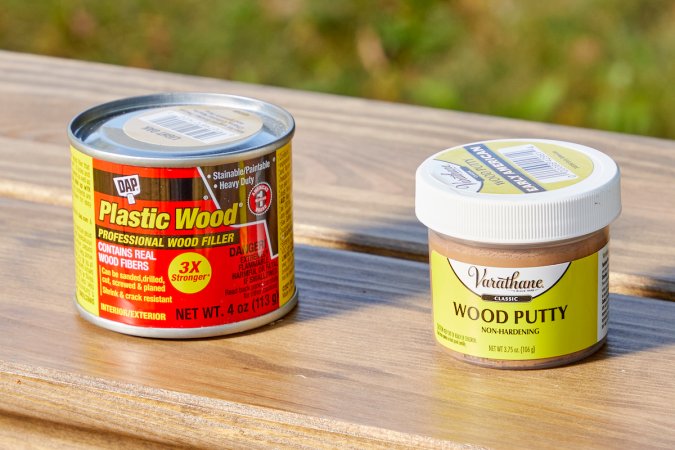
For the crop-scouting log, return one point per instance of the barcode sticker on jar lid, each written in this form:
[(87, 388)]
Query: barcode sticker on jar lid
[(508, 167)]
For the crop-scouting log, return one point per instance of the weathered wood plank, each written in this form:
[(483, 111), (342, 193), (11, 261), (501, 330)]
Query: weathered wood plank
[(19, 432), (355, 362), (144, 417), (354, 160)]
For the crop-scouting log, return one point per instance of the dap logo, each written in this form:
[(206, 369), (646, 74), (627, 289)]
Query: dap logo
[(128, 187)]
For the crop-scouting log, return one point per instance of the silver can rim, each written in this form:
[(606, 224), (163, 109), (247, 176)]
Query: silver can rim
[(101, 113)]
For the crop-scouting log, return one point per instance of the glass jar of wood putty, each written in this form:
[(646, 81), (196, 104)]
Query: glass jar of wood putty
[(518, 249)]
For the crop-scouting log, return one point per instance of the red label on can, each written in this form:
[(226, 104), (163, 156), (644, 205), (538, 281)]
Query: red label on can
[(183, 247)]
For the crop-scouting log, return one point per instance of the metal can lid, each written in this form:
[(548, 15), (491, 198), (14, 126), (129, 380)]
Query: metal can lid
[(180, 129), (518, 191)]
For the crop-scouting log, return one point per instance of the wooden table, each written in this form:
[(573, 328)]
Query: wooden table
[(355, 365)]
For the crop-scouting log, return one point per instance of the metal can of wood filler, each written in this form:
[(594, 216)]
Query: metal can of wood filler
[(182, 214)]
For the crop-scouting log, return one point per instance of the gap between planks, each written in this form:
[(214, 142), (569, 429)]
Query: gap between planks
[(621, 283)]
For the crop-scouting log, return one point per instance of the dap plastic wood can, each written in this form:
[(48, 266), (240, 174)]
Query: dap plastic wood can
[(182, 214)]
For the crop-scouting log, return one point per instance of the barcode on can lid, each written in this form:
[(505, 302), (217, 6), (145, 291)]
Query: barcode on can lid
[(189, 126), (537, 164)]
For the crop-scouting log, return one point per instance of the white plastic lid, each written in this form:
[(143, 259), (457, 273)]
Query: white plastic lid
[(518, 191)]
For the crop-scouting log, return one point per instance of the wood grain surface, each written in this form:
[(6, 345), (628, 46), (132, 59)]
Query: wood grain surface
[(354, 160), (354, 366)]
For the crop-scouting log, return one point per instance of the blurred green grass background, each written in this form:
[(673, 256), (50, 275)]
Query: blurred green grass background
[(606, 64)]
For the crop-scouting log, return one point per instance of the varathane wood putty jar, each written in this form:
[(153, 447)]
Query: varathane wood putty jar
[(518, 244)]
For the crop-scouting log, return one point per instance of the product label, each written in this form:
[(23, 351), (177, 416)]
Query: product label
[(511, 167), (192, 126), (183, 247), (520, 313)]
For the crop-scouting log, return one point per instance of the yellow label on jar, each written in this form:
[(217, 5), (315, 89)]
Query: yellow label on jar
[(520, 313)]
